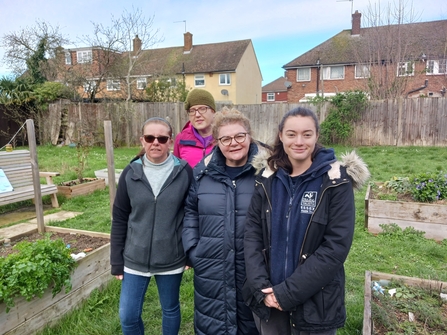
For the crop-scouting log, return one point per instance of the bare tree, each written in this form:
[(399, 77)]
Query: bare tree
[(388, 47), (128, 35), (22, 45)]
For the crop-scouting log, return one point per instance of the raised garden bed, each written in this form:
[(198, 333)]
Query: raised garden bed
[(428, 217), (73, 188), (104, 174), (92, 272), (371, 327)]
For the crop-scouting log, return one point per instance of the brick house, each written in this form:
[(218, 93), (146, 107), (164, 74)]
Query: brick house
[(276, 91), (405, 60), (228, 70)]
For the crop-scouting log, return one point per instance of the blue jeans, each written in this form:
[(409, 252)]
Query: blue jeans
[(133, 290)]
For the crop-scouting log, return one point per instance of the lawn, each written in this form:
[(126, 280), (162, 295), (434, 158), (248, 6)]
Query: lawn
[(396, 252)]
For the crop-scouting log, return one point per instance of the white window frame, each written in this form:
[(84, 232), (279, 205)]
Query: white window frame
[(436, 66), (270, 96), (224, 79), (141, 83), (303, 76), (172, 82), (362, 71), (89, 86), (329, 73), (199, 80), (84, 56), (113, 85), (403, 69), (67, 57)]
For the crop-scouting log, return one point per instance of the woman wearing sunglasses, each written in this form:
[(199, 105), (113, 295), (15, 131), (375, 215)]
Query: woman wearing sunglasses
[(196, 139), (147, 227), (213, 228)]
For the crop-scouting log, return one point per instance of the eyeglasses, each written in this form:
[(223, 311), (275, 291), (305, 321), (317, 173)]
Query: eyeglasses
[(201, 110), (239, 138), (160, 139)]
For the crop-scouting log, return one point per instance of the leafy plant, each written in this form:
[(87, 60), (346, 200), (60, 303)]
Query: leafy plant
[(429, 187), (347, 107), (33, 268), (399, 184)]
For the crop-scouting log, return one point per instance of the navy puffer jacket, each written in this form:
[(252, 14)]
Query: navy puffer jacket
[(213, 239)]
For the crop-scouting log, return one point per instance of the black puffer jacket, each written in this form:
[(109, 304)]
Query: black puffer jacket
[(213, 238)]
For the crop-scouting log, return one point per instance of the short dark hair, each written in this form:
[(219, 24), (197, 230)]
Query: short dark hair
[(279, 158)]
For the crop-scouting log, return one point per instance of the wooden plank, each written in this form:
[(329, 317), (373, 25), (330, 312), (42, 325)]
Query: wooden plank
[(53, 313), (408, 211), (367, 320), (436, 231)]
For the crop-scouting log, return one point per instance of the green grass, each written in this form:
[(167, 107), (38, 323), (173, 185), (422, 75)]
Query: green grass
[(401, 253)]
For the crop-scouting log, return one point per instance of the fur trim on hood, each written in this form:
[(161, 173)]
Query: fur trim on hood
[(356, 168)]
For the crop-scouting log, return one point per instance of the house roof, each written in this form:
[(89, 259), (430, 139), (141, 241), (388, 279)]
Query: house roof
[(427, 38), (278, 85), (203, 58)]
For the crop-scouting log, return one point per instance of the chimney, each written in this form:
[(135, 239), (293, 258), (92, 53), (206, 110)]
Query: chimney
[(136, 44), (188, 42), (356, 18)]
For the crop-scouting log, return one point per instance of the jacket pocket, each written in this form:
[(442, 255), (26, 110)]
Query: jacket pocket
[(325, 307)]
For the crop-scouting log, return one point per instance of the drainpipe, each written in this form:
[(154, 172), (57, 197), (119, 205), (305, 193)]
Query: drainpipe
[(418, 89)]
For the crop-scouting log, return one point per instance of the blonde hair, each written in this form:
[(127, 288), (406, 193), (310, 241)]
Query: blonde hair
[(230, 116)]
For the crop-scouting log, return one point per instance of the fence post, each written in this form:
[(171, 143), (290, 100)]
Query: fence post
[(110, 163), (36, 178)]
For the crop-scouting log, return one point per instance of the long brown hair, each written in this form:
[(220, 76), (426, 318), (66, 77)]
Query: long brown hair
[(279, 158)]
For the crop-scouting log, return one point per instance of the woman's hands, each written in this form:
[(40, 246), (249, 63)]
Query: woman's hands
[(270, 299)]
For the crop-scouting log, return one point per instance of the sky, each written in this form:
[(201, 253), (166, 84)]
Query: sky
[(280, 30)]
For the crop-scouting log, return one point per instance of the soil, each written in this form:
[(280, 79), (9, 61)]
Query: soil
[(77, 182), (78, 242)]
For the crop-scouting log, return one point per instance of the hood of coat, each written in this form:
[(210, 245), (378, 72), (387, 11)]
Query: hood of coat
[(356, 168)]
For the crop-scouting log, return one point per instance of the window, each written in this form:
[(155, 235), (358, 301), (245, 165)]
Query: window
[(113, 85), (405, 69), (84, 56), (437, 66), (224, 79), (172, 81), (362, 71), (199, 80), (89, 86), (303, 74), (333, 72), (141, 83), (270, 96), (68, 58)]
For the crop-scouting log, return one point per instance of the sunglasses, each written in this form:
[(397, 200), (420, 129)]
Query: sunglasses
[(160, 139)]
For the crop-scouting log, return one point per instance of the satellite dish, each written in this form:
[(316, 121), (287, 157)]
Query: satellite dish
[(287, 84), (224, 92)]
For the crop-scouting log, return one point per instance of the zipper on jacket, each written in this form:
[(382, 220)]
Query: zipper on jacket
[(304, 257), (234, 183), (287, 235)]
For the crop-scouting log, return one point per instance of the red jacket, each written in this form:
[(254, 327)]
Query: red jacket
[(188, 147)]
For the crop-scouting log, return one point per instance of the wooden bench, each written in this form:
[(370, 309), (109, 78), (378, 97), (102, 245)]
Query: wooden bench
[(18, 169)]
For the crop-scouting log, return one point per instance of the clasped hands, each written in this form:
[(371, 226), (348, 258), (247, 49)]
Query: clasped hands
[(270, 299)]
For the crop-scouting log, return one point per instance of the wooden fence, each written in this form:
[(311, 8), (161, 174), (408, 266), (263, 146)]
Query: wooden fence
[(402, 122)]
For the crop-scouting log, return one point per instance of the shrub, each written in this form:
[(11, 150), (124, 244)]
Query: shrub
[(35, 267), (429, 187)]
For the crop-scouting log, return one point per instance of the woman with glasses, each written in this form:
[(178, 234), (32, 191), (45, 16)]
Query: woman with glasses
[(213, 228), (196, 139), (146, 229)]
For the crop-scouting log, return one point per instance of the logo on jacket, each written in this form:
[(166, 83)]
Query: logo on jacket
[(308, 202)]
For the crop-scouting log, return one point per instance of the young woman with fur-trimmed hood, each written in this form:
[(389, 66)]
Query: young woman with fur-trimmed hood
[(298, 232)]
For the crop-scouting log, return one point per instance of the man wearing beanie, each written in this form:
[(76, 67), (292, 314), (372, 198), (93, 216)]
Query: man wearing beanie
[(196, 139)]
